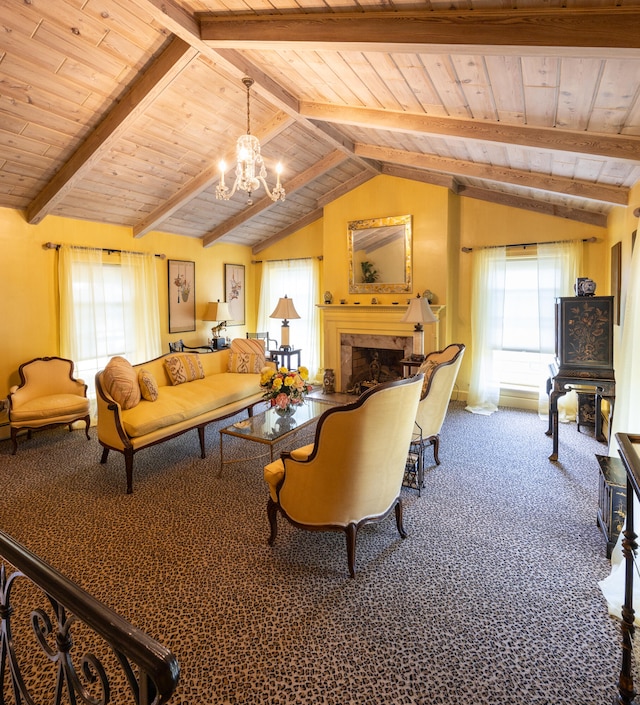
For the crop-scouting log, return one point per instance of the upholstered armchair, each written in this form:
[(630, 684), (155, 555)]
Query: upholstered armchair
[(352, 474), (440, 370), (48, 395)]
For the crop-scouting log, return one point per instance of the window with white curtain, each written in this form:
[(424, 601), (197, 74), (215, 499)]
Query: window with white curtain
[(512, 317), (299, 279), (108, 307)]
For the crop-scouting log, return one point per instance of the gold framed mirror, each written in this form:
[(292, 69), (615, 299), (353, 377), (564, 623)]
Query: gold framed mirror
[(380, 255)]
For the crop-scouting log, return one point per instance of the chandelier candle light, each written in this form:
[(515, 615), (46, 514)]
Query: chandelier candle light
[(285, 310), (250, 168), (419, 312)]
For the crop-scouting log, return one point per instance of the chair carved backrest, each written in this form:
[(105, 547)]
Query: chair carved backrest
[(353, 473), (271, 343)]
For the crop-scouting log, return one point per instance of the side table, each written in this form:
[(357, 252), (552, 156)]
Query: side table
[(408, 365), (286, 356), (612, 499)]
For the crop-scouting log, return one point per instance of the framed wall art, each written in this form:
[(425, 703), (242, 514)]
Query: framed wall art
[(234, 291), (182, 296), (616, 264)]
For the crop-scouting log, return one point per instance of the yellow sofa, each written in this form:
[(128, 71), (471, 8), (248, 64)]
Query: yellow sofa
[(128, 422)]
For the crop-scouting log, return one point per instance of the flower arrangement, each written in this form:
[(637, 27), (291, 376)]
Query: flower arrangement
[(285, 387)]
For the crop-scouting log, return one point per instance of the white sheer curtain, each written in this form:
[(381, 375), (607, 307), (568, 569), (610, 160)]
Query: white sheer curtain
[(107, 308), (559, 265), (626, 419), (487, 310), (299, 279)]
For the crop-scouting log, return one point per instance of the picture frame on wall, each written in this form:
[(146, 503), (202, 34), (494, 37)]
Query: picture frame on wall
[(616, 265), (234, 290), (182, 296)]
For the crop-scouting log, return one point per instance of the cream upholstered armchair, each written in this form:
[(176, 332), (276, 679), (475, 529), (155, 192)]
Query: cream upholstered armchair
[(440, 370), (48, 395), (352, 473)]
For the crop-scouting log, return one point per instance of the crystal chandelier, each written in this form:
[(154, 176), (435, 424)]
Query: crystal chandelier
[(250, 169)]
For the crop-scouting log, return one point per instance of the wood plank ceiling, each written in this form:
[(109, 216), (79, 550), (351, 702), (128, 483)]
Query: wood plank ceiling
[(119, 111)]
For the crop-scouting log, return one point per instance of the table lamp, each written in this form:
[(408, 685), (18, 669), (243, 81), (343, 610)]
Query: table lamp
[(419, 312), (285, 310), (218, 311)]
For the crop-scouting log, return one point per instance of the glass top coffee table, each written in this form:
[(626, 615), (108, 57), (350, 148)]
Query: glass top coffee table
[(269, 429)]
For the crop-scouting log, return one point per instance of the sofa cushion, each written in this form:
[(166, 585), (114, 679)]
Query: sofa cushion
[(148, 385), (121, 382), (187, 401), (183, 368)]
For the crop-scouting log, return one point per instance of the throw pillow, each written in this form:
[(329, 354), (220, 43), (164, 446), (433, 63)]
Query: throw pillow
[(121, 382), (148, 385), (427, 368), (251, 346), (245, 362), (183, 368)]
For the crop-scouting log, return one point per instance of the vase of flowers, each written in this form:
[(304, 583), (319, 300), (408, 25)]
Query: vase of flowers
[(284, 388)]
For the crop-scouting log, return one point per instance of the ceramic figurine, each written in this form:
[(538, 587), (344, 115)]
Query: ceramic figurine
[(328, 297)]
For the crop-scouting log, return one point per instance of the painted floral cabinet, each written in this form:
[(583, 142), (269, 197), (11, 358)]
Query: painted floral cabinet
[(584, 336)]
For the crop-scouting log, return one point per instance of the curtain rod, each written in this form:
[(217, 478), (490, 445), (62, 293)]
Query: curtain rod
[(108, 250), (291, 259), (528, 244)]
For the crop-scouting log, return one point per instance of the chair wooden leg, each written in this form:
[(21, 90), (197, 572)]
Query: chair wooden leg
[(351, 532), (14, 440), (105, 454), (436, 447), (399, 515), (272, 514), (203, 454), (87, 422), (128, 461)]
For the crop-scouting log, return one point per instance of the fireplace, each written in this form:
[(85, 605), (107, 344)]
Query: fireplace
[(366, 360)]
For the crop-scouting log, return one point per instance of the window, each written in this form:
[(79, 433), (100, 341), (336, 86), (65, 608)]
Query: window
[(521, 363), (107, 308), (300, 281)]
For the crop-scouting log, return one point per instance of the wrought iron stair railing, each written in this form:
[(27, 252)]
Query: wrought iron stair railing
[(57, 639)]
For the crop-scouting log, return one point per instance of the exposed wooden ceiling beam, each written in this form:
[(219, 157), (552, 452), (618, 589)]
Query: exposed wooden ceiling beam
[(289, 230), (606, 145), (543, 182), (530, 204), (321, 167), (152, 82), (204, 180), (422, 175), (412, 30)]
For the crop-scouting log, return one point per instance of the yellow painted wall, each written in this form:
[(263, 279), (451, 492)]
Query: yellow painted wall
[(442, 223), (29, 320)]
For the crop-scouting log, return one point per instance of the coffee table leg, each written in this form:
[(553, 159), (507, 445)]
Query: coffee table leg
[(221, 456)]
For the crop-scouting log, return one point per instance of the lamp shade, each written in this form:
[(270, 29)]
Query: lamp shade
[(419, 311), (285, 309), (217, 311)]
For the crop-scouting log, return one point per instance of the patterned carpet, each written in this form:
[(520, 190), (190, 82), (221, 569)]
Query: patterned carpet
[(491, 600)]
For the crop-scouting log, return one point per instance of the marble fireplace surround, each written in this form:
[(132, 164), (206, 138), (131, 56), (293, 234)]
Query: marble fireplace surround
[(349, 341), (369, 326)]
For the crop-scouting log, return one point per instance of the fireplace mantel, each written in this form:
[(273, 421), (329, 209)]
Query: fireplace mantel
[(369, 319)]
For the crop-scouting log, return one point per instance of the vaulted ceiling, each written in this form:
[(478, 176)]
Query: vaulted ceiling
[(119, 111)]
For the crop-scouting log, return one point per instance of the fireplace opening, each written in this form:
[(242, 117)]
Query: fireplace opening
[(371, 366)]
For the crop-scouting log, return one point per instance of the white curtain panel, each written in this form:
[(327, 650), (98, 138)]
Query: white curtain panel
[(108, 306), (487, 314)]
